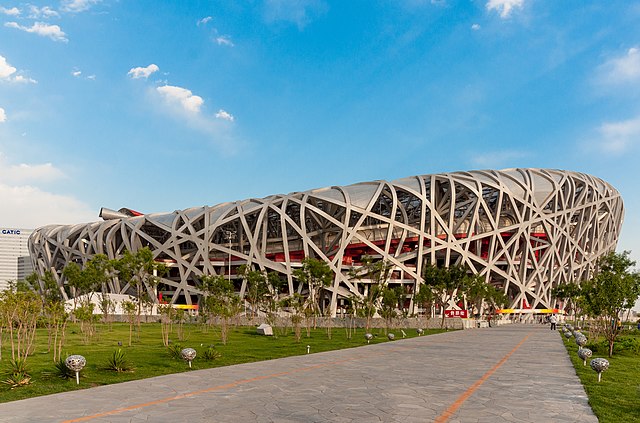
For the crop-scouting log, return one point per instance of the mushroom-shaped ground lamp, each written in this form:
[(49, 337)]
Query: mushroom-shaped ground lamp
[(599, 365), (368, 337), (76, 363), (584, 354), (581, 340), (188, 354)]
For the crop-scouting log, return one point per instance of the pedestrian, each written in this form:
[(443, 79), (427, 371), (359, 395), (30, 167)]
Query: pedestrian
[(553, 320)]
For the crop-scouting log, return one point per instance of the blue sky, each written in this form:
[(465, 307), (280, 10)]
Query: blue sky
[(160, 106)]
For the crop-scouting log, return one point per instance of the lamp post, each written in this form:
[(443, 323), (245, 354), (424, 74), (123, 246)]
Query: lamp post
[(230, 234)]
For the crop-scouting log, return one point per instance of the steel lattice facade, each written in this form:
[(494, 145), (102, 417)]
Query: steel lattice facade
[(523, 230)]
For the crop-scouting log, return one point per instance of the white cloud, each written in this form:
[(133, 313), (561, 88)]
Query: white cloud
[(475, 27), (299, 12), (625, 68), (45, 12), (31, 207), (3, 115), (504, 7), (204, 21), (28, 206), (14, 11), (43, 29), (24, 80), (139, 72), (75, 6), (182, 96), (223, 40), (497, 159), (618, 137), (26, 173), (6, 70), (78, 74), (222, 114), (183, 106)]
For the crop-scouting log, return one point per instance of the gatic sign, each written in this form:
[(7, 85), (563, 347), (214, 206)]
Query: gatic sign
[(11, 232), (456, 313)]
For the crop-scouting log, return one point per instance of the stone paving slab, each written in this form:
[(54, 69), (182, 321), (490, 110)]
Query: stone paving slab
[(521, 374)]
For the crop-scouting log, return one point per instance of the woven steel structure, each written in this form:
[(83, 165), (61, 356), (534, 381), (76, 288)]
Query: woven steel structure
[(523, 230)]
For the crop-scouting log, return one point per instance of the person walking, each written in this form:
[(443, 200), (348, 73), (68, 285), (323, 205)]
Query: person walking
[(553, 320)]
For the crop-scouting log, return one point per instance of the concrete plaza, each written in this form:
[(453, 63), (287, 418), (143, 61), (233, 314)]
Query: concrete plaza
[(512, 373)]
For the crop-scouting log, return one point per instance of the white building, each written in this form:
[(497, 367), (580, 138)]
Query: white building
[(13, 245), (25, 267)]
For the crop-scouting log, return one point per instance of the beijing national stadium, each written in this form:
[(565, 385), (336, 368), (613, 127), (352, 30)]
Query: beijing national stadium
[(524, 231)]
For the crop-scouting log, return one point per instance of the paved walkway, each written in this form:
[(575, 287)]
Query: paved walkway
[(514, 373)]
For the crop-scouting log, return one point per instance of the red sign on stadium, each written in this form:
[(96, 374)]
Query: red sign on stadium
[(456, 313)]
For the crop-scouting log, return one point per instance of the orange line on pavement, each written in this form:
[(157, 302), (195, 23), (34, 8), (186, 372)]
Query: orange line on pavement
[(442, 418), (214, 388), (236, 383)]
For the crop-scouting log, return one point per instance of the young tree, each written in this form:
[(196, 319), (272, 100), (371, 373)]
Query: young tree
[(296, 306), (480, 294), (446, 283), (98, 271), (424, 298), (613, 289), (390, 299), (353, 308), (166, 312), (20, 310), (179, 317), (88, 279), (107, 308), (142, 273), (377, 273), (129, 308), (495, 299), (275, 284), (54, 313), (84, 313), (57, 319), (220, 301), (475, 293), (571, 293), (76, 280), (316, 275), (257, 287)]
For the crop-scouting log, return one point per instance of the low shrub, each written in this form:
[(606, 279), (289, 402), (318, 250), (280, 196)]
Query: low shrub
[(624, 344), (174, 351), (18, 374), (61, 370), (628, 343), (211, 354), (118, 362)]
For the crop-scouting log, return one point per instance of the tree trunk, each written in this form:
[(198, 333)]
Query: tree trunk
[(611, 342)]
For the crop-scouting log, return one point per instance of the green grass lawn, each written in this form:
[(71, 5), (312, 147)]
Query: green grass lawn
[(150, 357), (617, 397)]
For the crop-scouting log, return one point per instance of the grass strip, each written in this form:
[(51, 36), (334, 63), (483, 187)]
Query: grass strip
[(617, 397)]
